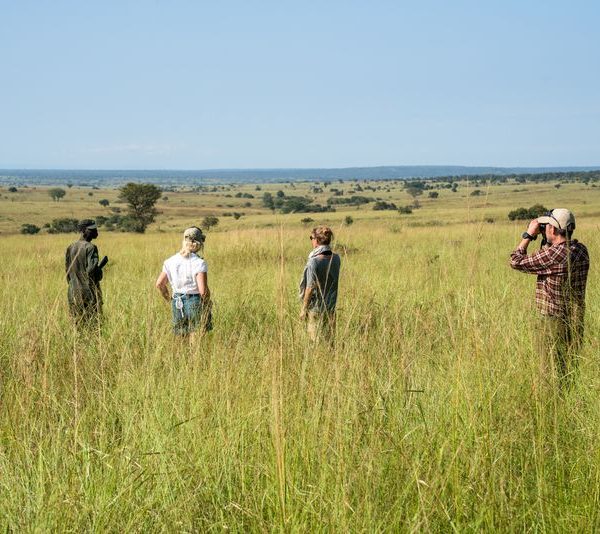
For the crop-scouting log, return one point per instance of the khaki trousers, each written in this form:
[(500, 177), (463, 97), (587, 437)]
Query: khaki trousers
[(321, 326), (557, 342)]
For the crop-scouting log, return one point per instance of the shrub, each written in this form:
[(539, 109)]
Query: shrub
[(476, 192), (30, 229), (131, 224), (104, 202), (12, 190), (348, 220), (355, 200), (63, 225), (307, 220), (521, 214), (267, 200), (433, 194), (405, 210)]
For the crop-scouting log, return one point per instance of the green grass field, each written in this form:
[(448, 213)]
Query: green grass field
[(428, 416)]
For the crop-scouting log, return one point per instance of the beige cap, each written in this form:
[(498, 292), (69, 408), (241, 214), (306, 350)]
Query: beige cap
[(560, 218)]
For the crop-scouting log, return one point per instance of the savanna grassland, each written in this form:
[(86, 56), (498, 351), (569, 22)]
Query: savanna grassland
[(429, 415)]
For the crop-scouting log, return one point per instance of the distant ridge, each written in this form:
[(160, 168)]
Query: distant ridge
[(215, 176)]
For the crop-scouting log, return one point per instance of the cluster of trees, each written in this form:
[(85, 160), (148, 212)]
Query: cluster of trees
[(520, 214), (449, 182), (63, 225), (355, 200), (292, 204), (140, 199), (236, 215), (382, 205)]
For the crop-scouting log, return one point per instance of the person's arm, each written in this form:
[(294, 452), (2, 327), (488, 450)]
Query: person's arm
[(92, 263), (161, 285), (310, 278), (202, 281), (68, 263), (539, 262), (308, 292)]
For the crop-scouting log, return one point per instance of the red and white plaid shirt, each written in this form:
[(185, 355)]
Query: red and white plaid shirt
[(561, 276)]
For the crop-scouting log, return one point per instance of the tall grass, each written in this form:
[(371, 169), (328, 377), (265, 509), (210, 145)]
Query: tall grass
[(428, 416)]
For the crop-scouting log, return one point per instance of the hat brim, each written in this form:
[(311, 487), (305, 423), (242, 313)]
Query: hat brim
[(548, 220), (92, 227)]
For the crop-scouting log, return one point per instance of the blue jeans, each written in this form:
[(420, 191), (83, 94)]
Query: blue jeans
[(187, 314)]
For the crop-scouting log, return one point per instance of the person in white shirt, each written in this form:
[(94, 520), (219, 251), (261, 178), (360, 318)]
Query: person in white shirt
[(187, 274)]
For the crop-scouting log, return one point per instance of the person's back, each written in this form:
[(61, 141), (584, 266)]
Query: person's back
[(324, 269), (319, 286), (83, 285), (84, 272)]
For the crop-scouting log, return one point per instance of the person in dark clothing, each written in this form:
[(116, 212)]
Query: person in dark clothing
[(319, 286), (84, 272)]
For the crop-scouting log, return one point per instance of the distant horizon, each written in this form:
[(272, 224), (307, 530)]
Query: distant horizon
[(293, 168), (114, 177)]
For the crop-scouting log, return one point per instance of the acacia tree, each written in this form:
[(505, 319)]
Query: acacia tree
[(56, 193), (209, 221), (141, 199)]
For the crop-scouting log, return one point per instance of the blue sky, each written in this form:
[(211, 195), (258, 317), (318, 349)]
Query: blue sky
[(199, 85)]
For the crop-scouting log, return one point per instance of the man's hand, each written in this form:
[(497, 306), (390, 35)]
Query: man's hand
[(303, 314), (534, 228)]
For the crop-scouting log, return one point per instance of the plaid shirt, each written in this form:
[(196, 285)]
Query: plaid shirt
[(561, 277)]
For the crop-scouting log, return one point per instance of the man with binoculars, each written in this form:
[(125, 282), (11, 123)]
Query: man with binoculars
[(561, 266)]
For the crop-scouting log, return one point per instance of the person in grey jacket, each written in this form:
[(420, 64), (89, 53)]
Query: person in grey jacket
[(319, 286), (84, 272)]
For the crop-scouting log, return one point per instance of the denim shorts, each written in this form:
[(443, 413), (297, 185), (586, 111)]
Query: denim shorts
[(187, 313)]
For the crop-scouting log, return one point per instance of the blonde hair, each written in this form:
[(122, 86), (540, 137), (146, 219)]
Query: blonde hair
[(189, 247), (323, 235)]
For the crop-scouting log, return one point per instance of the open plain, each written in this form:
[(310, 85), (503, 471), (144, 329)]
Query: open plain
[(428, 416)]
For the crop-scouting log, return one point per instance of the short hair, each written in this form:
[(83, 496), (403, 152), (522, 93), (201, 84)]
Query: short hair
[(323, 235), (563, 232)]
